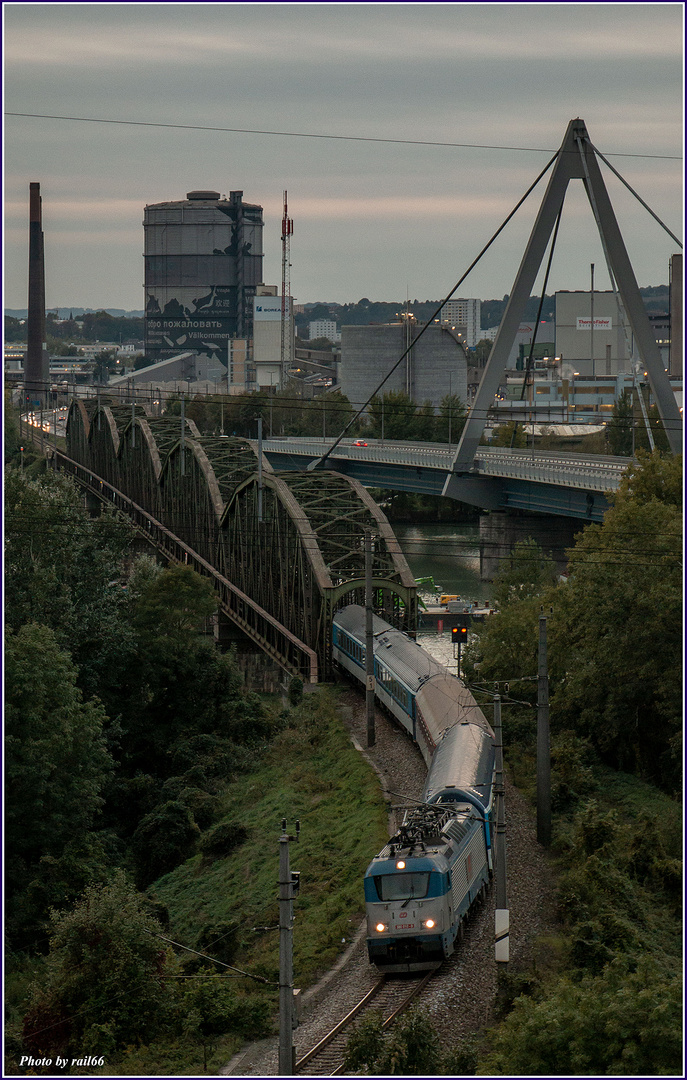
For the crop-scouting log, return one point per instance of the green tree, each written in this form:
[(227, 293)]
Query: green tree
[(15, 330), (324, 344), (510, 434), (63, 570), (104, 985), (163, 839), (104, 364), (617, 630), (481, 351), (56, 763), (399, 416), (425, 423), (619, 428), (653, 477), (180, 686), (211, 1007), (175, 604), (525, 575), (508, 643), (451, 408), (410, 1048), (622, 1023), (11, 425)]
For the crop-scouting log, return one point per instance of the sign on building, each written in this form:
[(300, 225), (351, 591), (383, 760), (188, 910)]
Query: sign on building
[(599, 324)]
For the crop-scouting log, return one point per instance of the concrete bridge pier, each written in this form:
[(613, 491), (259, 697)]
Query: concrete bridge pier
[(500, 531)]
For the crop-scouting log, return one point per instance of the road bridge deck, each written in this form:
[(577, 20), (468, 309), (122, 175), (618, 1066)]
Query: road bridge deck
[(542, 481)]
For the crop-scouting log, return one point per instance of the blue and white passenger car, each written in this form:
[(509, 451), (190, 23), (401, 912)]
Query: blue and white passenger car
[(420, 887)]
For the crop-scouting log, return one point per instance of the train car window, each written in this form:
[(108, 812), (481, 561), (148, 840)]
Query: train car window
[(402, 886)]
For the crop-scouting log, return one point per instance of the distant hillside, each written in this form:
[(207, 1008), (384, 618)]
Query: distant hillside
[(656, 298), (77, 312)]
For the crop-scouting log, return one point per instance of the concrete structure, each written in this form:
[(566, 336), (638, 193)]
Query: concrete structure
[(435, 365), (266, 361), (325, 328), (37, 362), (185, 368), (464, 313), (203, 263)]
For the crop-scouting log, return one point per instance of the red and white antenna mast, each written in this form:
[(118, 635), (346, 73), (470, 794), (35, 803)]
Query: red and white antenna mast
[(286, 232)]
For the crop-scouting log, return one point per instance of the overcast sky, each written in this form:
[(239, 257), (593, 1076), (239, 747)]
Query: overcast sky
[(370, 218)]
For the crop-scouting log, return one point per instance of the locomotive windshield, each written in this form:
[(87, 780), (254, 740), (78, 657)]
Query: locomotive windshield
[(402, 886)]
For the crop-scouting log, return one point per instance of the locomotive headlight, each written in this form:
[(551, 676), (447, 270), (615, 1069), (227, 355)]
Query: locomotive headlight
[(429, 924), (381, 927), (400, 865)]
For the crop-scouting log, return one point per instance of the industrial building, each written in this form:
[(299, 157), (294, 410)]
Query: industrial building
[(203, 263), (601, 347), (560, 395), (435, 366), (267, 337)]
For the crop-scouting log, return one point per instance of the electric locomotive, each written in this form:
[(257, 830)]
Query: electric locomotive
[(420, 887)]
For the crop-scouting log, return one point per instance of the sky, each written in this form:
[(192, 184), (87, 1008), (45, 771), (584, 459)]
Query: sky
[(372, 219)]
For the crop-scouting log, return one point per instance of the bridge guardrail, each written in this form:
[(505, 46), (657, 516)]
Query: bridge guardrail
[(598, 472)]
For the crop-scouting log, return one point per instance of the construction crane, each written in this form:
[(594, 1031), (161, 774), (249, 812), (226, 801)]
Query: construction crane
[(286, 232)]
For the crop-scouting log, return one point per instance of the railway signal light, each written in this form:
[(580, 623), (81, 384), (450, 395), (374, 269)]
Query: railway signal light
[(459, 635)]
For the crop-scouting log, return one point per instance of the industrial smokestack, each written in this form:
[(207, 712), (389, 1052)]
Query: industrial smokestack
[(37, 363)]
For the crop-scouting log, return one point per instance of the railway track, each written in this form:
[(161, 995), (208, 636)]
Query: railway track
[(391, 997)]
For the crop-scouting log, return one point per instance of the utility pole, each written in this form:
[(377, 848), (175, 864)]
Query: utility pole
[(502, 915), (288, 887), (369, 645), (543, 743)]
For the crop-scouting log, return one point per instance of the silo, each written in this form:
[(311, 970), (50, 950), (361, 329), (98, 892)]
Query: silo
[(203, 262)]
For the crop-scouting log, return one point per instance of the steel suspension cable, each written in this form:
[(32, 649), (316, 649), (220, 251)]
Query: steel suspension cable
[(430, 321), (633, 192), (528, 366), (541, 302)]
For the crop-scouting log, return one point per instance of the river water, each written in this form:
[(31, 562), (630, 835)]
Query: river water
[(449, 553)]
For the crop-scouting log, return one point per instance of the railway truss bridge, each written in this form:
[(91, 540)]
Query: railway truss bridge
[(284, 550)]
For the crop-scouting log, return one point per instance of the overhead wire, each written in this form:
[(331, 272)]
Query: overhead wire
[(430, 320), (637, 197), (318, 135)]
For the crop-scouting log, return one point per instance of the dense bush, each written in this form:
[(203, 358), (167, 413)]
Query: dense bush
[(163, 839), (223, 839), (103, 986)]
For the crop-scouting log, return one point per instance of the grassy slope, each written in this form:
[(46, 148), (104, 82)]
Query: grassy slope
[(311, 772)]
